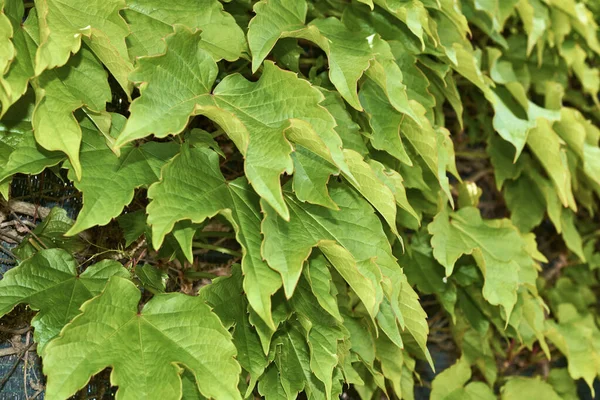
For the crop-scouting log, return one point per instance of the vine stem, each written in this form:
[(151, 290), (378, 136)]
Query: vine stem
[(200, 245)]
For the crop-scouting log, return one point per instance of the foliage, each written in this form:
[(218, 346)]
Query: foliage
[(359, 165)]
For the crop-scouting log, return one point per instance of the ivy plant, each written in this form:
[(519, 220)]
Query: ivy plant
[(364, 169)]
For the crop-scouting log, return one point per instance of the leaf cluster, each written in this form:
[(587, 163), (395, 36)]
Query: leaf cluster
[(359, 165)]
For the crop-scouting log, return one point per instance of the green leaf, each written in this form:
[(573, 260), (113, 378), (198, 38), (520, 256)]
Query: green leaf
[(63, 26), (347, 129), (150, 21), (319, 277), (353, 241), (223, 296), (312, 226), (412, 13), (13, 81), (395, 182), (545, 144), (372, 188), (426, 274), (172, 201), (7, 48), (527, 214), (323, 333), (452, 384), (19, 152), (151, 278), (171, 85), (287, 114), (133, 225), (199, 137), (388, 124), (108, 182), (50, 232), (519, 388), (348, 52), (270, 385), (414, 318), (515, 128), (292, 358), (61, 91), (49, 282), (111, 332), (563, 384), (311, 175), (396, 366), (495, 244)]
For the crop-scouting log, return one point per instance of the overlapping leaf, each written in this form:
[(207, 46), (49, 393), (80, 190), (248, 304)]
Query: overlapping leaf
[(109, 181), (171, 84), (495, 244), (171, 329), (61, 91), (16, 75), (49, 282), (288, 112), (193, 188), (223, 296), (62, 27), (151, 21), (353, 241)]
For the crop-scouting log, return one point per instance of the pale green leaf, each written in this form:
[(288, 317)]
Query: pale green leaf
[(171, 84), (524, 388), (512, 127), (546, 146), (13, 83), (7, 48), (576, 336), (63, 26), (348, 52), (61, 91), (151, 20), (451, 380), (495, 244)]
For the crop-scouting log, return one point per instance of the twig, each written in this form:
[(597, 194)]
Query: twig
[(22, 207), (30, 231), (25, 359), (223, 250), (19, 331), (13, 367), (12, 351), (8, 252)]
